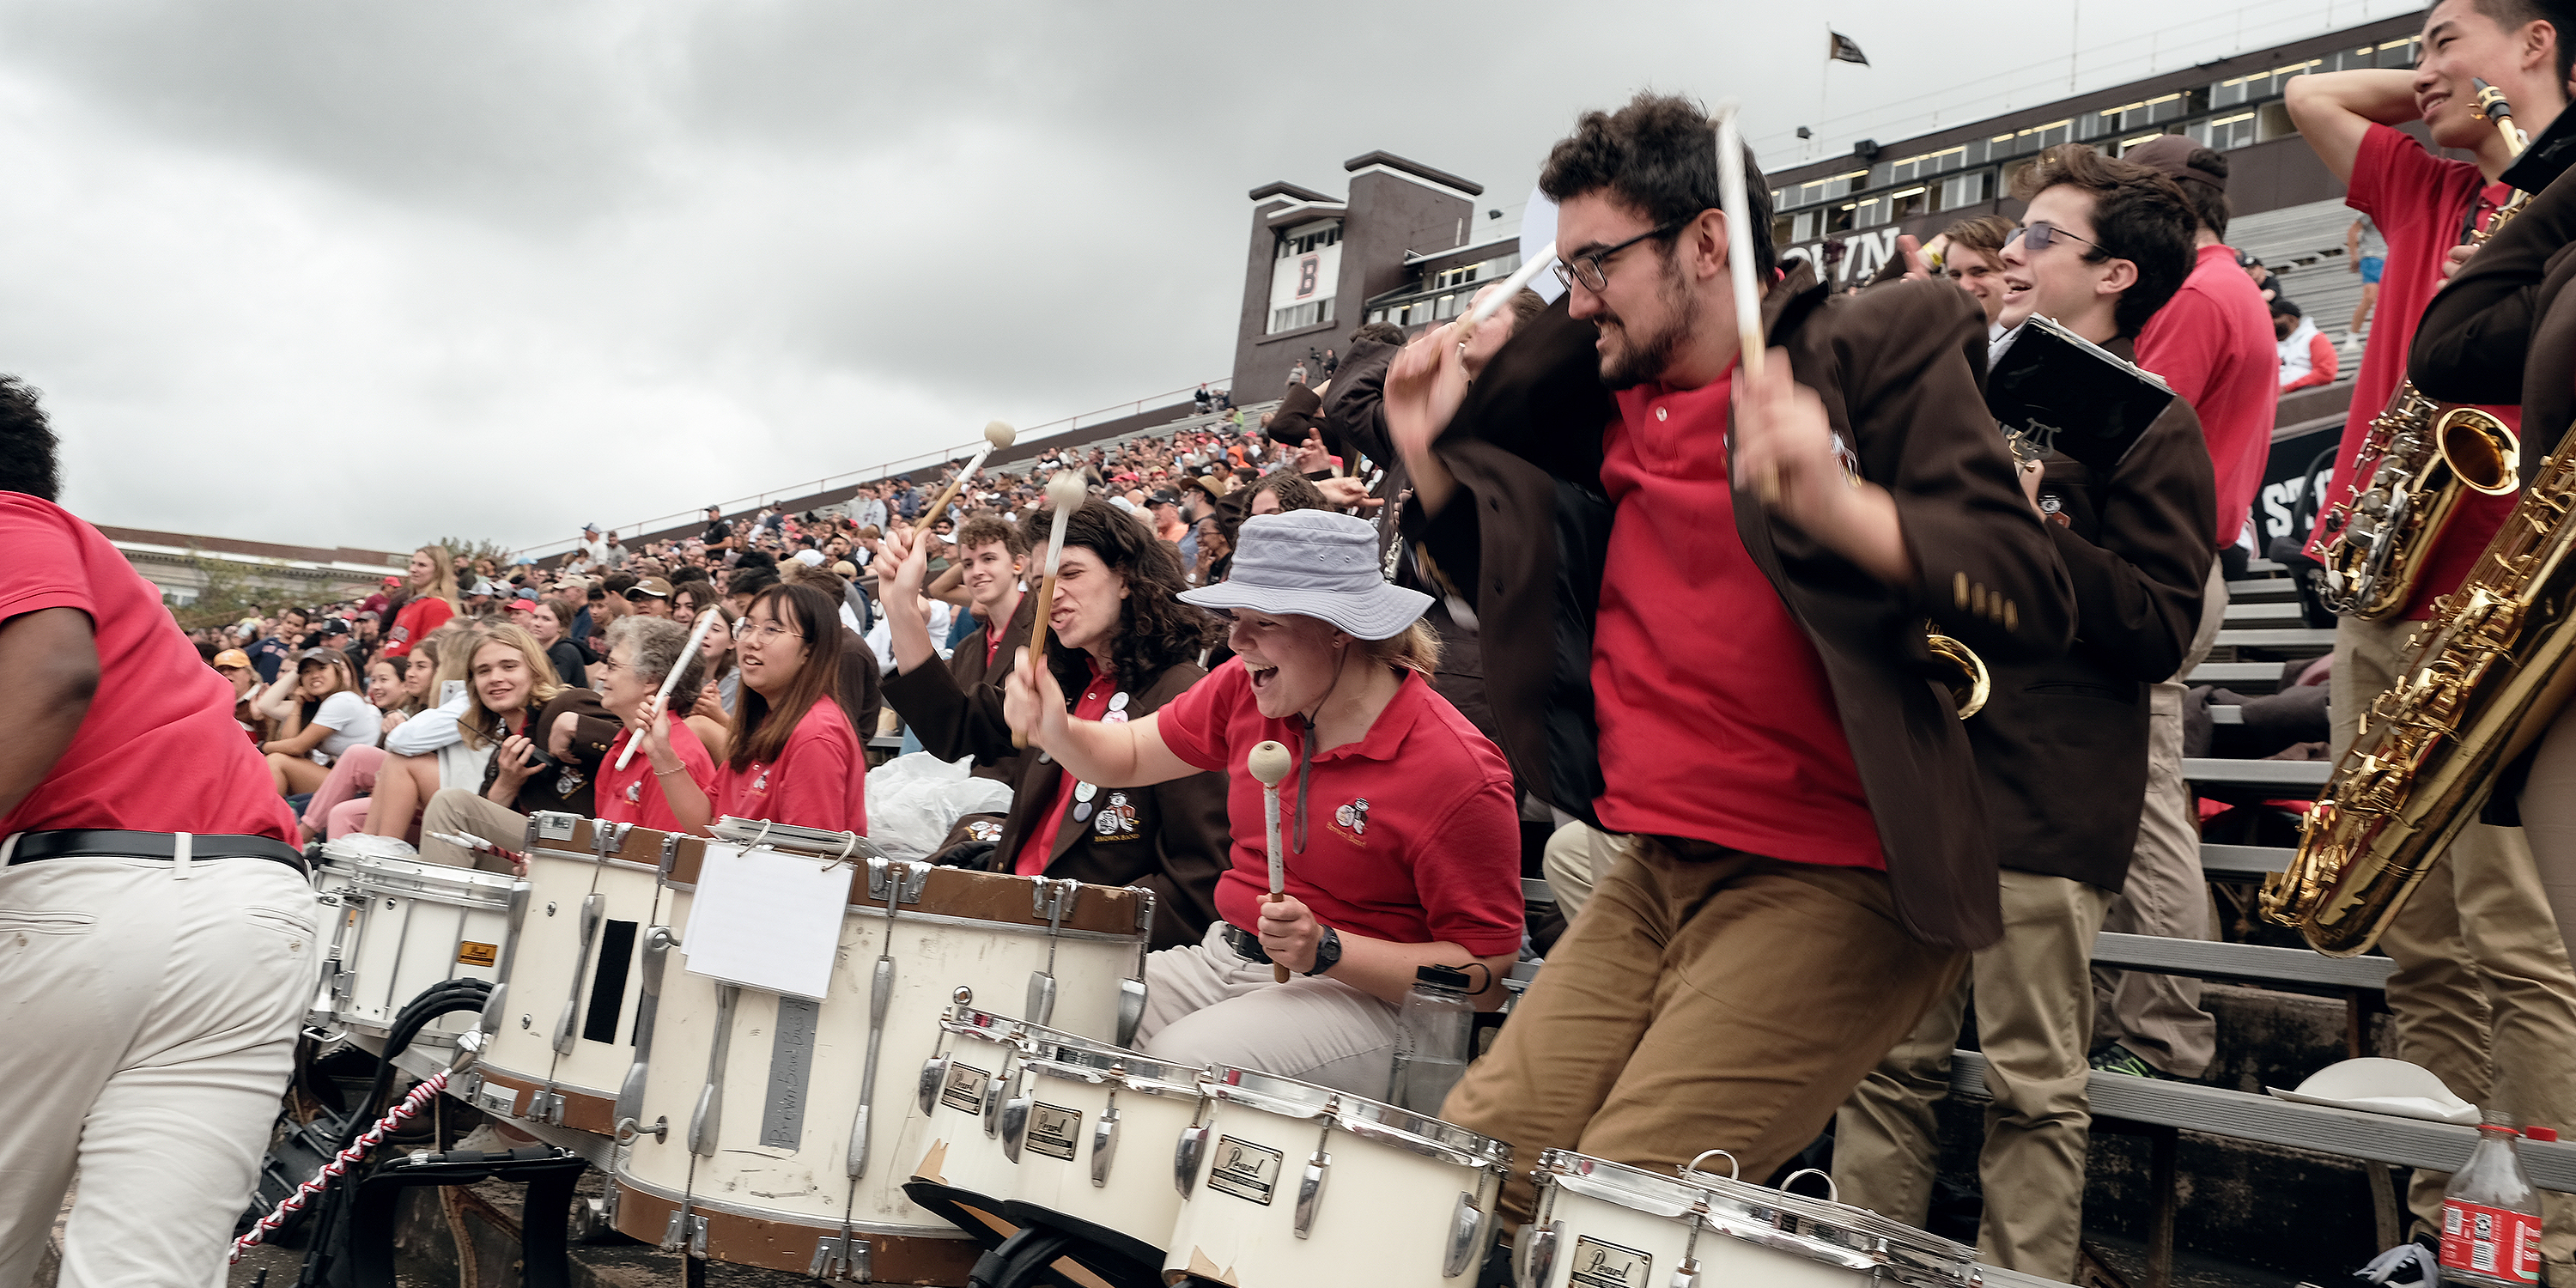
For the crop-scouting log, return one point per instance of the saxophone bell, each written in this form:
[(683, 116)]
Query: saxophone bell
[(2481, 451), (1971, 686)]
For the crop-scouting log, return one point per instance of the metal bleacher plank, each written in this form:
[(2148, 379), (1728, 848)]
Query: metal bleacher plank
[(1535, 890), (2406, 1142), (2244, 858), (2262, 588), (2285, 773), (1996, 1277), (2236, 672), (2223, 714), (2239, 961), (2278, 637), (2265, 566), (2263, 613)]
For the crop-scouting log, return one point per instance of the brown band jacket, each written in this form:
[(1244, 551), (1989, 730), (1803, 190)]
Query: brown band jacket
[(950, 725), (1898, 369)]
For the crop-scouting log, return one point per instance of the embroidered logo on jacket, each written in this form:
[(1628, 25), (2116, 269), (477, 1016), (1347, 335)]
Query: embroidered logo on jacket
[(1116, 820)]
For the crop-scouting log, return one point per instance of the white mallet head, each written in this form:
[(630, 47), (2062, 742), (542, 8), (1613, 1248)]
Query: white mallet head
[(999, 434), (1269, 762), (1064, 491)]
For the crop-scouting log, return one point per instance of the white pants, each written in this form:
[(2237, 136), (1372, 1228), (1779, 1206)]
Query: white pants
[(1206, 1005), (147, 1029)]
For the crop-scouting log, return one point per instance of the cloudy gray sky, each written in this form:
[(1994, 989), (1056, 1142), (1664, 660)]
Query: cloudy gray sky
[(325, 273)]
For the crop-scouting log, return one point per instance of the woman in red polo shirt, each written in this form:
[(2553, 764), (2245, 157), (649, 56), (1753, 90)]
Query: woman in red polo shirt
[(667, 785), (794, 757), (433, 600), (1398, 831)]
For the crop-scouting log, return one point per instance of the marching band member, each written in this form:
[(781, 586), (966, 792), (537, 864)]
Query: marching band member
[(166, 949), (1126, 646), (1812, 861), (1400, 839), (795, 758), (2061, 746), (2474, 939), (992, 558)]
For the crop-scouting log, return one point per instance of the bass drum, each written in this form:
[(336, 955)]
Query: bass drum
[(780, 1132)]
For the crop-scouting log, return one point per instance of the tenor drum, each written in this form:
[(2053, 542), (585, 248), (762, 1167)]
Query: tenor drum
[(974, 1117), (560, 1031), (1098, 1144), (1605, 1225), (406, 925), (1292, 1184), (779, 1132)]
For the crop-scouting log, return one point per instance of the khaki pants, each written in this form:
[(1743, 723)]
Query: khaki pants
[(1576, 857), (455, 811), (2483, 994), (152, 1008), (2158, 1017), (1206, 1005), (1716, 1001), (2034, 1018), (2549, 820)]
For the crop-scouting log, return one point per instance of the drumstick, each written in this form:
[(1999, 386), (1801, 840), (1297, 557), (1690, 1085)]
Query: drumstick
[(996, 434), (1269, 762), (1064, 492), (1494, 302), (1739, 234), (697, 637)]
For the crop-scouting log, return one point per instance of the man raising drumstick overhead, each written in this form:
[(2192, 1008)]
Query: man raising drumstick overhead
[(1811, 864)]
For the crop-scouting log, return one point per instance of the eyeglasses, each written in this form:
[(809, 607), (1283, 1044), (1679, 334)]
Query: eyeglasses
[(606, 664), (1588, 269), (2037, 234), (748, 631)]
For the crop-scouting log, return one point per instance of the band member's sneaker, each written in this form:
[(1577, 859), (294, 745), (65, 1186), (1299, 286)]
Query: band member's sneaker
[(2116, 1058)]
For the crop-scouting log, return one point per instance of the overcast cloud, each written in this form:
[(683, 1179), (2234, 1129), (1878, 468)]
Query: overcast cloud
[(370, 274)]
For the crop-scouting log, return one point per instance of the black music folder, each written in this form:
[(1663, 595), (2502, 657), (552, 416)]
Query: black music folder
[(2064, 393)]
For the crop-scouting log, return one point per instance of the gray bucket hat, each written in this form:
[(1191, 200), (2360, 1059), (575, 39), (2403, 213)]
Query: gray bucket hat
[(1314, 563)]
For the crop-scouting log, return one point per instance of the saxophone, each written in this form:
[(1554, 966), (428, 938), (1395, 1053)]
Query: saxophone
[(2421, 460), (2486, 676)]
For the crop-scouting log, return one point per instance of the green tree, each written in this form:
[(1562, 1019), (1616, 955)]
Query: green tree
[(231, 593)]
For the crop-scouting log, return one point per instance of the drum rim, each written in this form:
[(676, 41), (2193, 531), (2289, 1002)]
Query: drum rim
[(826, 1225), (368, 872), (1373, 1120), (1050, 1057), (1882, 1243)]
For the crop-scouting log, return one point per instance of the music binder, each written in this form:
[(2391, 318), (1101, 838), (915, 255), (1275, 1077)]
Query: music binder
[(2064, 393)]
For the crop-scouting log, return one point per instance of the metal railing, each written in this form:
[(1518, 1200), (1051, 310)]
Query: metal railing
[(885, 470)]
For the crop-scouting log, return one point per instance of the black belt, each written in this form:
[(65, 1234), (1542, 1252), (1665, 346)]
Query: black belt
[(108, 844), (1246, 945)]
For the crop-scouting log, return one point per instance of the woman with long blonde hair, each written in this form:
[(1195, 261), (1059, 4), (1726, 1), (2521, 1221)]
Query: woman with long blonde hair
[(547, 738), (432, 587)]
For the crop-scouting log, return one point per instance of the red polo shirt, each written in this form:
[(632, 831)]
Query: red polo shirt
[(159, 750), (634, 794), (2213, 343), (1411, 833), (819, 779), (2420, 203), (1040, 846), (1717, 721)]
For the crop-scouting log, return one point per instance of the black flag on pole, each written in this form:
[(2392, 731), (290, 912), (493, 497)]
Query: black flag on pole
[(1844, 51)]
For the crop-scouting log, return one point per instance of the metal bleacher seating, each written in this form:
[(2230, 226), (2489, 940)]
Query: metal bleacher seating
[(2303, 246)]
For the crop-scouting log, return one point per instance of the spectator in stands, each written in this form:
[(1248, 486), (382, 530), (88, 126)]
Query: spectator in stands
[(2307, 356), (616, 552), (389, 692), (234, 665), (318, 713), (795, 758), (1163, 515), (1974, 262), (669, 787), (1297, 375), (649, 597), (547, 738), (1331, 364), (2064, 782), (268, 655), (1213, 542), (592, 550), (2266, 282), (2367, 253), (544, 620), (1201, 403), (429, 751), (719, 533)]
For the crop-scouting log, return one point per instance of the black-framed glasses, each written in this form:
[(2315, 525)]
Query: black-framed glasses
[(1589, 267), (2039, 233)]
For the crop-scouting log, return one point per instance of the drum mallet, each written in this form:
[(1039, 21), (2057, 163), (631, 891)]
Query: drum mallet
[(1064, 493), (1269, 762), (697, 637), (996, 434)]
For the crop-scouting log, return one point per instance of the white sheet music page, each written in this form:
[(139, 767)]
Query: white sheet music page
[(766, 919)]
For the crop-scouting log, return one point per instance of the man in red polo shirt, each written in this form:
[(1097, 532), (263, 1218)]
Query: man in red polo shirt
[(2476, 939), (162, 929), (1729, 580), (2213, 343)]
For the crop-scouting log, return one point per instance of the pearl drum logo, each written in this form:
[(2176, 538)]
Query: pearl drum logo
[(1053, 1130), (1607, 1265), (1244, 1170)]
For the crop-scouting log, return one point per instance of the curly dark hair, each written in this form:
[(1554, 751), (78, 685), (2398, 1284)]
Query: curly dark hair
[(1658, 157), (1156, 631), (2138, 215), (27, 446)]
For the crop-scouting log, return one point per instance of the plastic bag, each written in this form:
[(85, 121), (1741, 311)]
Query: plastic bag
[(914, 802)]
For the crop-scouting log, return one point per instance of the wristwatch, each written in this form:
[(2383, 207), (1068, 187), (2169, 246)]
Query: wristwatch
[(1328, 952)]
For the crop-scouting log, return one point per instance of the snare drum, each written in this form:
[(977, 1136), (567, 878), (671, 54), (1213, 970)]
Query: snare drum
[(778, 1132), (406, 925), (1605, 1225), (1294, 1184), (559, 1033), (1097, 1148)]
